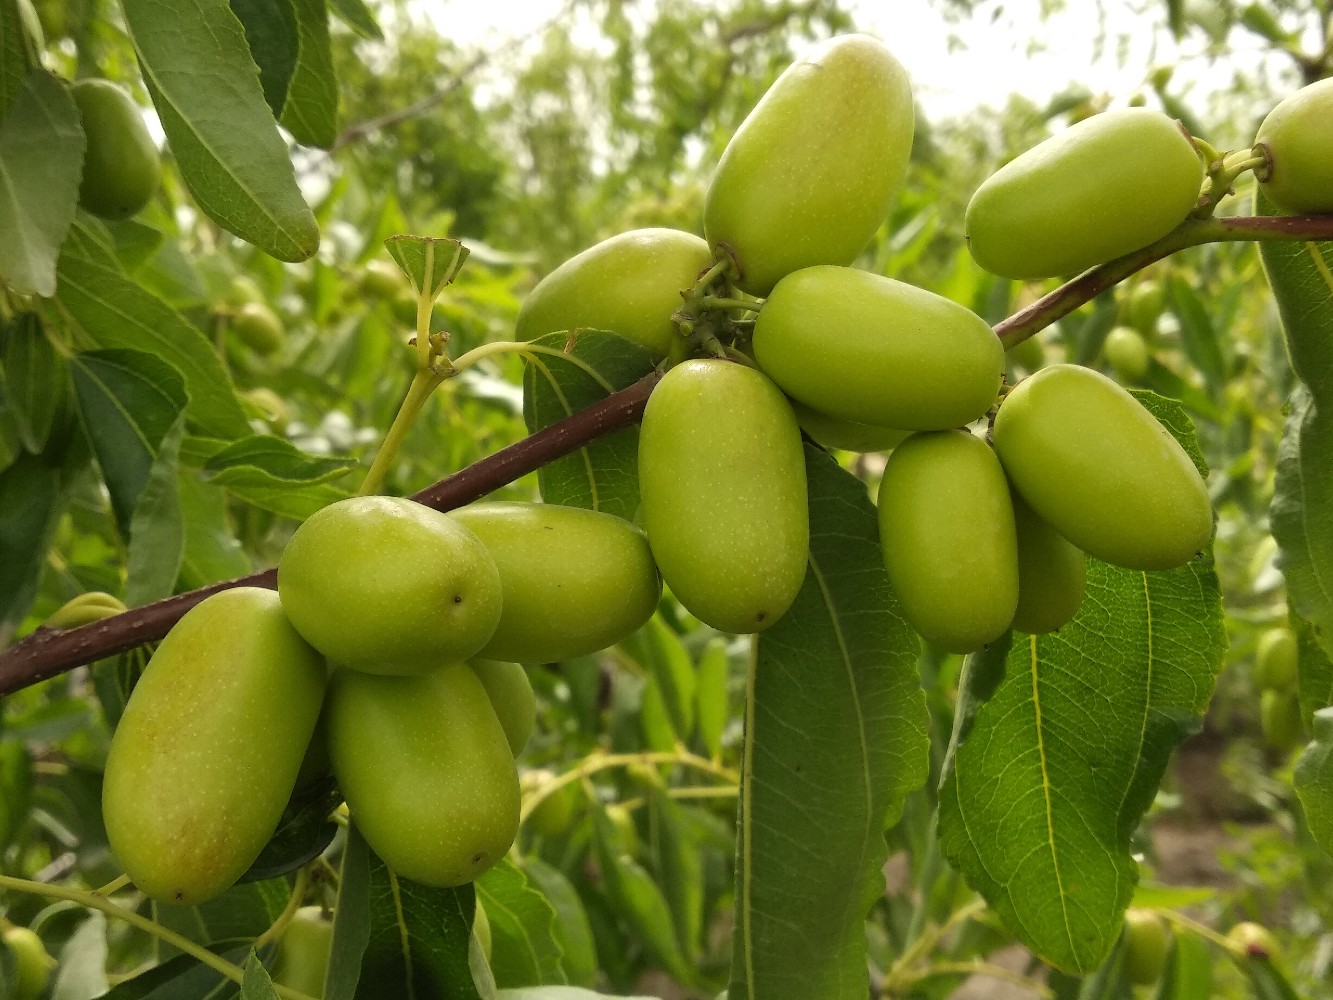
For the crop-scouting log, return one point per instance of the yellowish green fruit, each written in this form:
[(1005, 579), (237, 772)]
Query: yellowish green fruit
[(428, 775), (303, 952), (206, 754), (383, 279), (1255, 940), (33, 964), (873, 350), (845, 434), (1299, 141), (1147, 939), (1052, 573), (389, 586), (121, 166), (511, 695), (574, 580), (1100, 469), (1276, 660), (722, 482), (1280, 719), (555, 813), (1127, 353), (1029, 354), (814, 169), (259, 328), (1102, 188), (1144, 307), (626, 833), (630, 284), (947, 528)]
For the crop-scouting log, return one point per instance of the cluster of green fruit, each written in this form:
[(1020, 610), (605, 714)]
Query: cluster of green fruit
[(402, 629), (1276, 668)]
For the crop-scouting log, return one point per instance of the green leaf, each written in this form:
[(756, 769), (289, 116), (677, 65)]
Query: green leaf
[(271, 33), (836, 736), (418, 936), (129, 401), (257, 985), (559, 993), (604, 474), (357, 16), (1189, 969), (15, 57), (1315, 669), (1313, 780), (182, 978), (713, 709), (35, 379), (680, 864), (571, 924), (135, 242), (31, 502), (1267, 981), (116, 312), (659, 651), (41, 162), (303, 832), (526, 945), (81, 974), (351, 920), (15, 790), (285, 500), (311, 111), (1060, 743), (654, 720), (206, 89), (242, 912), (212, 551), (1197, 335), (157, 527), (270, 460), (1155, 895), (430, 262)]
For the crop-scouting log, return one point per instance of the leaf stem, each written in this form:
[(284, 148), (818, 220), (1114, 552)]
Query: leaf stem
[(294, 902), (423, 384), (467, 360)]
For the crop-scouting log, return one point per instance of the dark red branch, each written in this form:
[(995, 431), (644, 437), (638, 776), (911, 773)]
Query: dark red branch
[(48, 652)]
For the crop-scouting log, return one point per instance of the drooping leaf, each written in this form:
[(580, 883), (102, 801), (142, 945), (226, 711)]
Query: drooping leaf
[(116, 312), (664, 658), (311, 110), (212, 551), (272, 461), (35, 379), (836, 737), (243, 912), (183, 978), (41, 163), (157, 526), (15, 789), (303, 832), (525, 943), (713, 708), (257, 984), (271, 33), (1061, 742), (207, 92), (604, 474), (1189, 969), (31, 502), (129, 401), (680, 863), (357, 16), (1313, 780), (81, 974), (579, 957)]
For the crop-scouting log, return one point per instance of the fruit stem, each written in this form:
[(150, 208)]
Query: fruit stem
[(423, 384), (96, 902), (465, 361), (1203, 931), (294, 902), (723, 302)]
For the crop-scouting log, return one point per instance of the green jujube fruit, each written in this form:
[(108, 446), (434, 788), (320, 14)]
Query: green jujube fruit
[(259, 328), (1276, 660), (1098, 467), (1280, 719), (630, 284), (33, 964), (814, 169), (1299, 140), (1147, 938), (427, 772), (1144, 306), (1127, 353), (207, 751), (722, 483), (512, 697), (846, 435), (389, 586), (574, 581), (1107, 186), (873, 350), (121, 166), (303, 952), (947, 529), (1052, 573)]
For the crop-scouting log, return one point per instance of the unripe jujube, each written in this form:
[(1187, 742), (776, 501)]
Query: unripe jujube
[(511, 696), (1276, 659), (121, 166), (1299, 139), (1052, 573)]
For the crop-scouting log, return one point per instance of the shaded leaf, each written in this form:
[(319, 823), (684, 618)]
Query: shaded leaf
[(15, 790), (714, 707), (664, 658), (1315, 669), (1189, 969), (81, 974), (680, 862), (1313, 780), (41, 163), (257, 985), (271, 34), (212, 551), (157, 527), (35, 378), (311, 110), (604, 474), (15, 55), (357, 16), (31, 502), (525, 944), (267, 460), (303, 832), (243, 912), (1197, 334), (835, 739), (182, 978), (206, 89), (579, 956)]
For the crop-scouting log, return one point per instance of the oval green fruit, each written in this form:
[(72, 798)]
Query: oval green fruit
[(1276, 660), (1127, 353), (1147, 939), (722, 482), (303, 951), (33, 964), (873, 350), (1028, 354), (1098, 467), (259, 328), (1144, 306), (1052, 573), (630, 284), (427, 771), (511, 695), (206, 754), (121, 166), (846, 435), (947, 528), (1107, 186), (382, 279), (814, 169), (574, 581), (1280, 720), (1300, 149), (388, 586), (556, 812)]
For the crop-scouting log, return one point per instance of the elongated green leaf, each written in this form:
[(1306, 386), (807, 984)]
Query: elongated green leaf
[(603, 475), (351, 920), (311, 110), (273, 461), (1189, 970), (15, 57), (1060, 745), (15, 789), (835, 739), (559, 993), (660, 652), (82, 971), (206, 89), (680, 863), (357, 16), (1301, 276), (129, 401), (713, 701), (41, 162), (303, 832), (31, 503), (257, 985), (579, 957), (287, 500), (212, 551), (430, 262), (242, 912), (1197, 334), (182, 978), (1313, 780), (526, 946), (115, 312), (35, 379), (271, 33), (1315, 669), (157, 526)]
